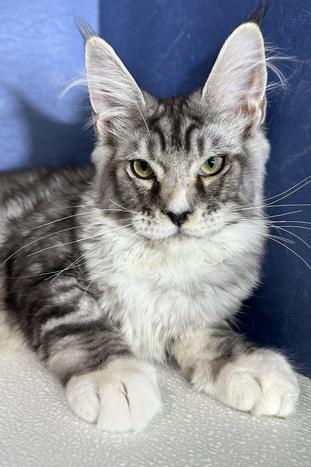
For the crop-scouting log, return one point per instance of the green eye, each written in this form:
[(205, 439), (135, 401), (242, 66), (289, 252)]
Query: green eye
[(212, 166), (142, 169)]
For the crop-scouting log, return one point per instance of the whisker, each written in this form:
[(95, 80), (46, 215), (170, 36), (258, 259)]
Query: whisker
[(270, 201), (72, 265), (288, 205), (284, 239), (284, 214), (294, 252), (294, 235), (120, 206), (77, 241), (69, 217), (295, 221), (296, 227), (302, 182), (34, 241), (266, 234), (80, 258), (294, 191), (271, 206), (33, 275), (71, 206), (43, 238), (87, 288)]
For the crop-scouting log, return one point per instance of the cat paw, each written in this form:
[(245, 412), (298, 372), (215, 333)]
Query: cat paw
[(123, 396), (262, 383)]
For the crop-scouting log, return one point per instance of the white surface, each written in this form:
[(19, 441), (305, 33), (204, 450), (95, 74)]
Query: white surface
[(37, 428)]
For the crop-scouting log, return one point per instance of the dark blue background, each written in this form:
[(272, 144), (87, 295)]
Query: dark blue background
[(170, 47)]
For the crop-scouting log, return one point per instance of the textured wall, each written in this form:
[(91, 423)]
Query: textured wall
[(40, 52), (170, 47)]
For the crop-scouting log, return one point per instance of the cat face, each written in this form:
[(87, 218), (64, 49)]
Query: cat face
[(182, 167)]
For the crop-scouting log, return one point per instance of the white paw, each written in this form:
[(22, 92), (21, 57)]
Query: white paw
[(123, 396), (262, 382)]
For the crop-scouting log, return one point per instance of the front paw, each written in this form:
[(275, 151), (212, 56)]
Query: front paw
[(122, 396), (261, 382)]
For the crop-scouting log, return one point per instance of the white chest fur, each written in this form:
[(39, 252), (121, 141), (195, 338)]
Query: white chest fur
[(160, 292)]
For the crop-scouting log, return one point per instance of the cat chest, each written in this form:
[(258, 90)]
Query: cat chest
[(153, 316), (157, 305)]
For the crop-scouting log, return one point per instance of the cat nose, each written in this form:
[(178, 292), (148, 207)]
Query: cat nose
[(178, 219)]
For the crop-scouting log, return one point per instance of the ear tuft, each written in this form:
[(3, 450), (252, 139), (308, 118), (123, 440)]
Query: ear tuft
[(237, 82), (85, 29)]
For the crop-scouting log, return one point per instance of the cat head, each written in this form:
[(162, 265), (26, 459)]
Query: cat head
[(180, 167)]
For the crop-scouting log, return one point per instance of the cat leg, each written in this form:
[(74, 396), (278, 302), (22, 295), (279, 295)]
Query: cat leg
[(218, 362), (105, 383)]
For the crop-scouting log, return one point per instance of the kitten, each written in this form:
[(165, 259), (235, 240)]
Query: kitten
[(148, 254)]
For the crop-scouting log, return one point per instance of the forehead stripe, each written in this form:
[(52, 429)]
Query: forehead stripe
[(156, 129), (188, 134)]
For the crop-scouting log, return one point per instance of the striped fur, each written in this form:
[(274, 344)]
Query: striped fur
[(102, 271)]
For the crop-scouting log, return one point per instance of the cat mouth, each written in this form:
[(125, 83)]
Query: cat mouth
[(181, 235), (176, 236)]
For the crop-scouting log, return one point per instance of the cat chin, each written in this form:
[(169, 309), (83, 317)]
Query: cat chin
[(188, 237), (177, 237), (157, 236)]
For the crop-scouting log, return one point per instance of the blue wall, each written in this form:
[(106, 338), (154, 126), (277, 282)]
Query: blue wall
[(41, 51), (170, 47)]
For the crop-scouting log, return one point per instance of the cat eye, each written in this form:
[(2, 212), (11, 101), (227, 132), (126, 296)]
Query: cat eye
[(142, 169), (212, 166)]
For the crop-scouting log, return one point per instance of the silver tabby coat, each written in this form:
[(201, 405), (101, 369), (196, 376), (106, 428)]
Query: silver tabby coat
[(147, 255)]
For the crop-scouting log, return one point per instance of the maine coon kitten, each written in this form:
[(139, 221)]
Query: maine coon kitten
[(147, 255)]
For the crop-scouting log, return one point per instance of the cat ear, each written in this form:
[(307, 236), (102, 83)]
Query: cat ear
[(237, 82), (115, 97)]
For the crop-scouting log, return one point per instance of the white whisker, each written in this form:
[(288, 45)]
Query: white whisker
[(287, 192), (296, 227), (87, 288), (32, 242), (294, 252), (263, 206), (302, 182), (288, 205), (43, 238), (290, 220), (69, 217), (284, 214), (294, 235), (32, 275), (80, 258), (267, 235), (292, 192), (120, 206), (77, 241)]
